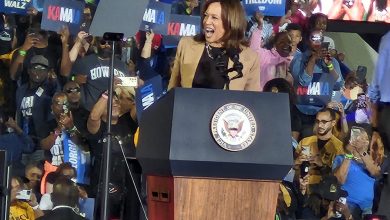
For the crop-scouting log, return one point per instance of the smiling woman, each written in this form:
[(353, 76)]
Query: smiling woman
[(204, 61)]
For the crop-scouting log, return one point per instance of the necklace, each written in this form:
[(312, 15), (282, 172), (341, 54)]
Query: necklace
[(209, 53), (208, 49)]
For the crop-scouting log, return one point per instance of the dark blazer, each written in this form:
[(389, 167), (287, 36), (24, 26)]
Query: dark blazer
[(61, 214)]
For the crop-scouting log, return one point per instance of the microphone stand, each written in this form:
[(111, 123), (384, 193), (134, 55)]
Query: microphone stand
[(104, 210)]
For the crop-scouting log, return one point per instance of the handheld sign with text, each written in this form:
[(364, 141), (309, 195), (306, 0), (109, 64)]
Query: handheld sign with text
[(149, 93), (15, 6), (58, 13), (156, 17), (319, 92), (179, 26), (267, 7)]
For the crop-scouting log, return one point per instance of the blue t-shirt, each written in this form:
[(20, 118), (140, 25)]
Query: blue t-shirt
[(359, 183)]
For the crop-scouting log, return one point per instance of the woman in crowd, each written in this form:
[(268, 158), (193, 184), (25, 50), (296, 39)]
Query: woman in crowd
[(202, 61), (356, 172)]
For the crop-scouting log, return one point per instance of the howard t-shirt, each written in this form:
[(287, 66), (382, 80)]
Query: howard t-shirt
[(97, 71)]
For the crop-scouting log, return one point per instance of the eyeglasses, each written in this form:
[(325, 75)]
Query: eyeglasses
[(322, 121), (70, 90)]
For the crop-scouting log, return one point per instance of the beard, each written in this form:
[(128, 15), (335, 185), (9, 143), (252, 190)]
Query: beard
[(324, 132), (104, 52)]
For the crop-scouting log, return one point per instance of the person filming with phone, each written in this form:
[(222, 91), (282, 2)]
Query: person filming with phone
[(356, 172), (314, 65), (24, 204)]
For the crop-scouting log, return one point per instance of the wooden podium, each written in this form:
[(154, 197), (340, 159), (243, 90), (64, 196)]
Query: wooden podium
[(190, 177)]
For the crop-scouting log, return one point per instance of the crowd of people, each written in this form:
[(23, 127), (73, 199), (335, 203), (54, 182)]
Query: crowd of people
[(53, 107)]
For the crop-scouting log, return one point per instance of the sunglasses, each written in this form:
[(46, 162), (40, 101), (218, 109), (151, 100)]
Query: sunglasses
[(71, 90), (317, 38)]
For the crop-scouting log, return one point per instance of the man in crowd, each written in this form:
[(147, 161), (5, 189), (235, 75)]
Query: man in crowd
[(320, 149), (65, 198), (33, 100), (92, 73), (79, 114)]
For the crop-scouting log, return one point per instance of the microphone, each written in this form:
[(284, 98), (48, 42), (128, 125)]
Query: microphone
[(234, 55)]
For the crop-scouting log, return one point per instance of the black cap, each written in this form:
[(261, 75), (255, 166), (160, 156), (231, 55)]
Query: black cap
[(329, 189)]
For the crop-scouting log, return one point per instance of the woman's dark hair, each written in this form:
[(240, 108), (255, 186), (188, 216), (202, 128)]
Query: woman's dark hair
[(283, 86), (313, 19), (234, 23), (66, 166)]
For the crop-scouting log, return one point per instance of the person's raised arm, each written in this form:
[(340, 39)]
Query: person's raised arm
[(66, 64), (94, 120), (17, 63)]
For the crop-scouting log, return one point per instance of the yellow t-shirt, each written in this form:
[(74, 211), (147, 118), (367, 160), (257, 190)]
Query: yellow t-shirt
[(21, 211)]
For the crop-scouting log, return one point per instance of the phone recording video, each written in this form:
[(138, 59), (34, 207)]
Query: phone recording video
[(24, 195), (361, 101), (304, 168)]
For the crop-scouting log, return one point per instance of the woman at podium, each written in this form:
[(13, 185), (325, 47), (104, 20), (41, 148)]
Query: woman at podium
[(218, 57)]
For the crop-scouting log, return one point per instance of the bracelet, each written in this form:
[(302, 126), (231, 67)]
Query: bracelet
[(375, 129), (348, 156), (22, 53), (35, 207)]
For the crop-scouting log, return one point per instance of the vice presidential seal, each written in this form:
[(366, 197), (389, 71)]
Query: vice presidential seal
[(233, 127)]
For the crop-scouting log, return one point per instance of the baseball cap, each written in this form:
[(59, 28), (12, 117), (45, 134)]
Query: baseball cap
[(39, 60), (329, 189)]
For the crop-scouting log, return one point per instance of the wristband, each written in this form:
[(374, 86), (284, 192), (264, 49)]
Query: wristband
[(330, 66), (22, 53), (348, 156), (375, 129)]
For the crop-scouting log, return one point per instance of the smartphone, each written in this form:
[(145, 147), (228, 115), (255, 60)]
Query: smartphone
[(361, 100), (355, 133), (348, 3), (128, 81), (24, 195), (341, 200), (304, 169), (85, 26), (325, 45)]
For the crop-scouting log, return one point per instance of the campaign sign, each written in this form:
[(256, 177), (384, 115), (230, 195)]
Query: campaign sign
[(318, 93), (156, 17), (267, 7), (179, 26), (80, 160), (147, 94), (59, 13), (15, 6)]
